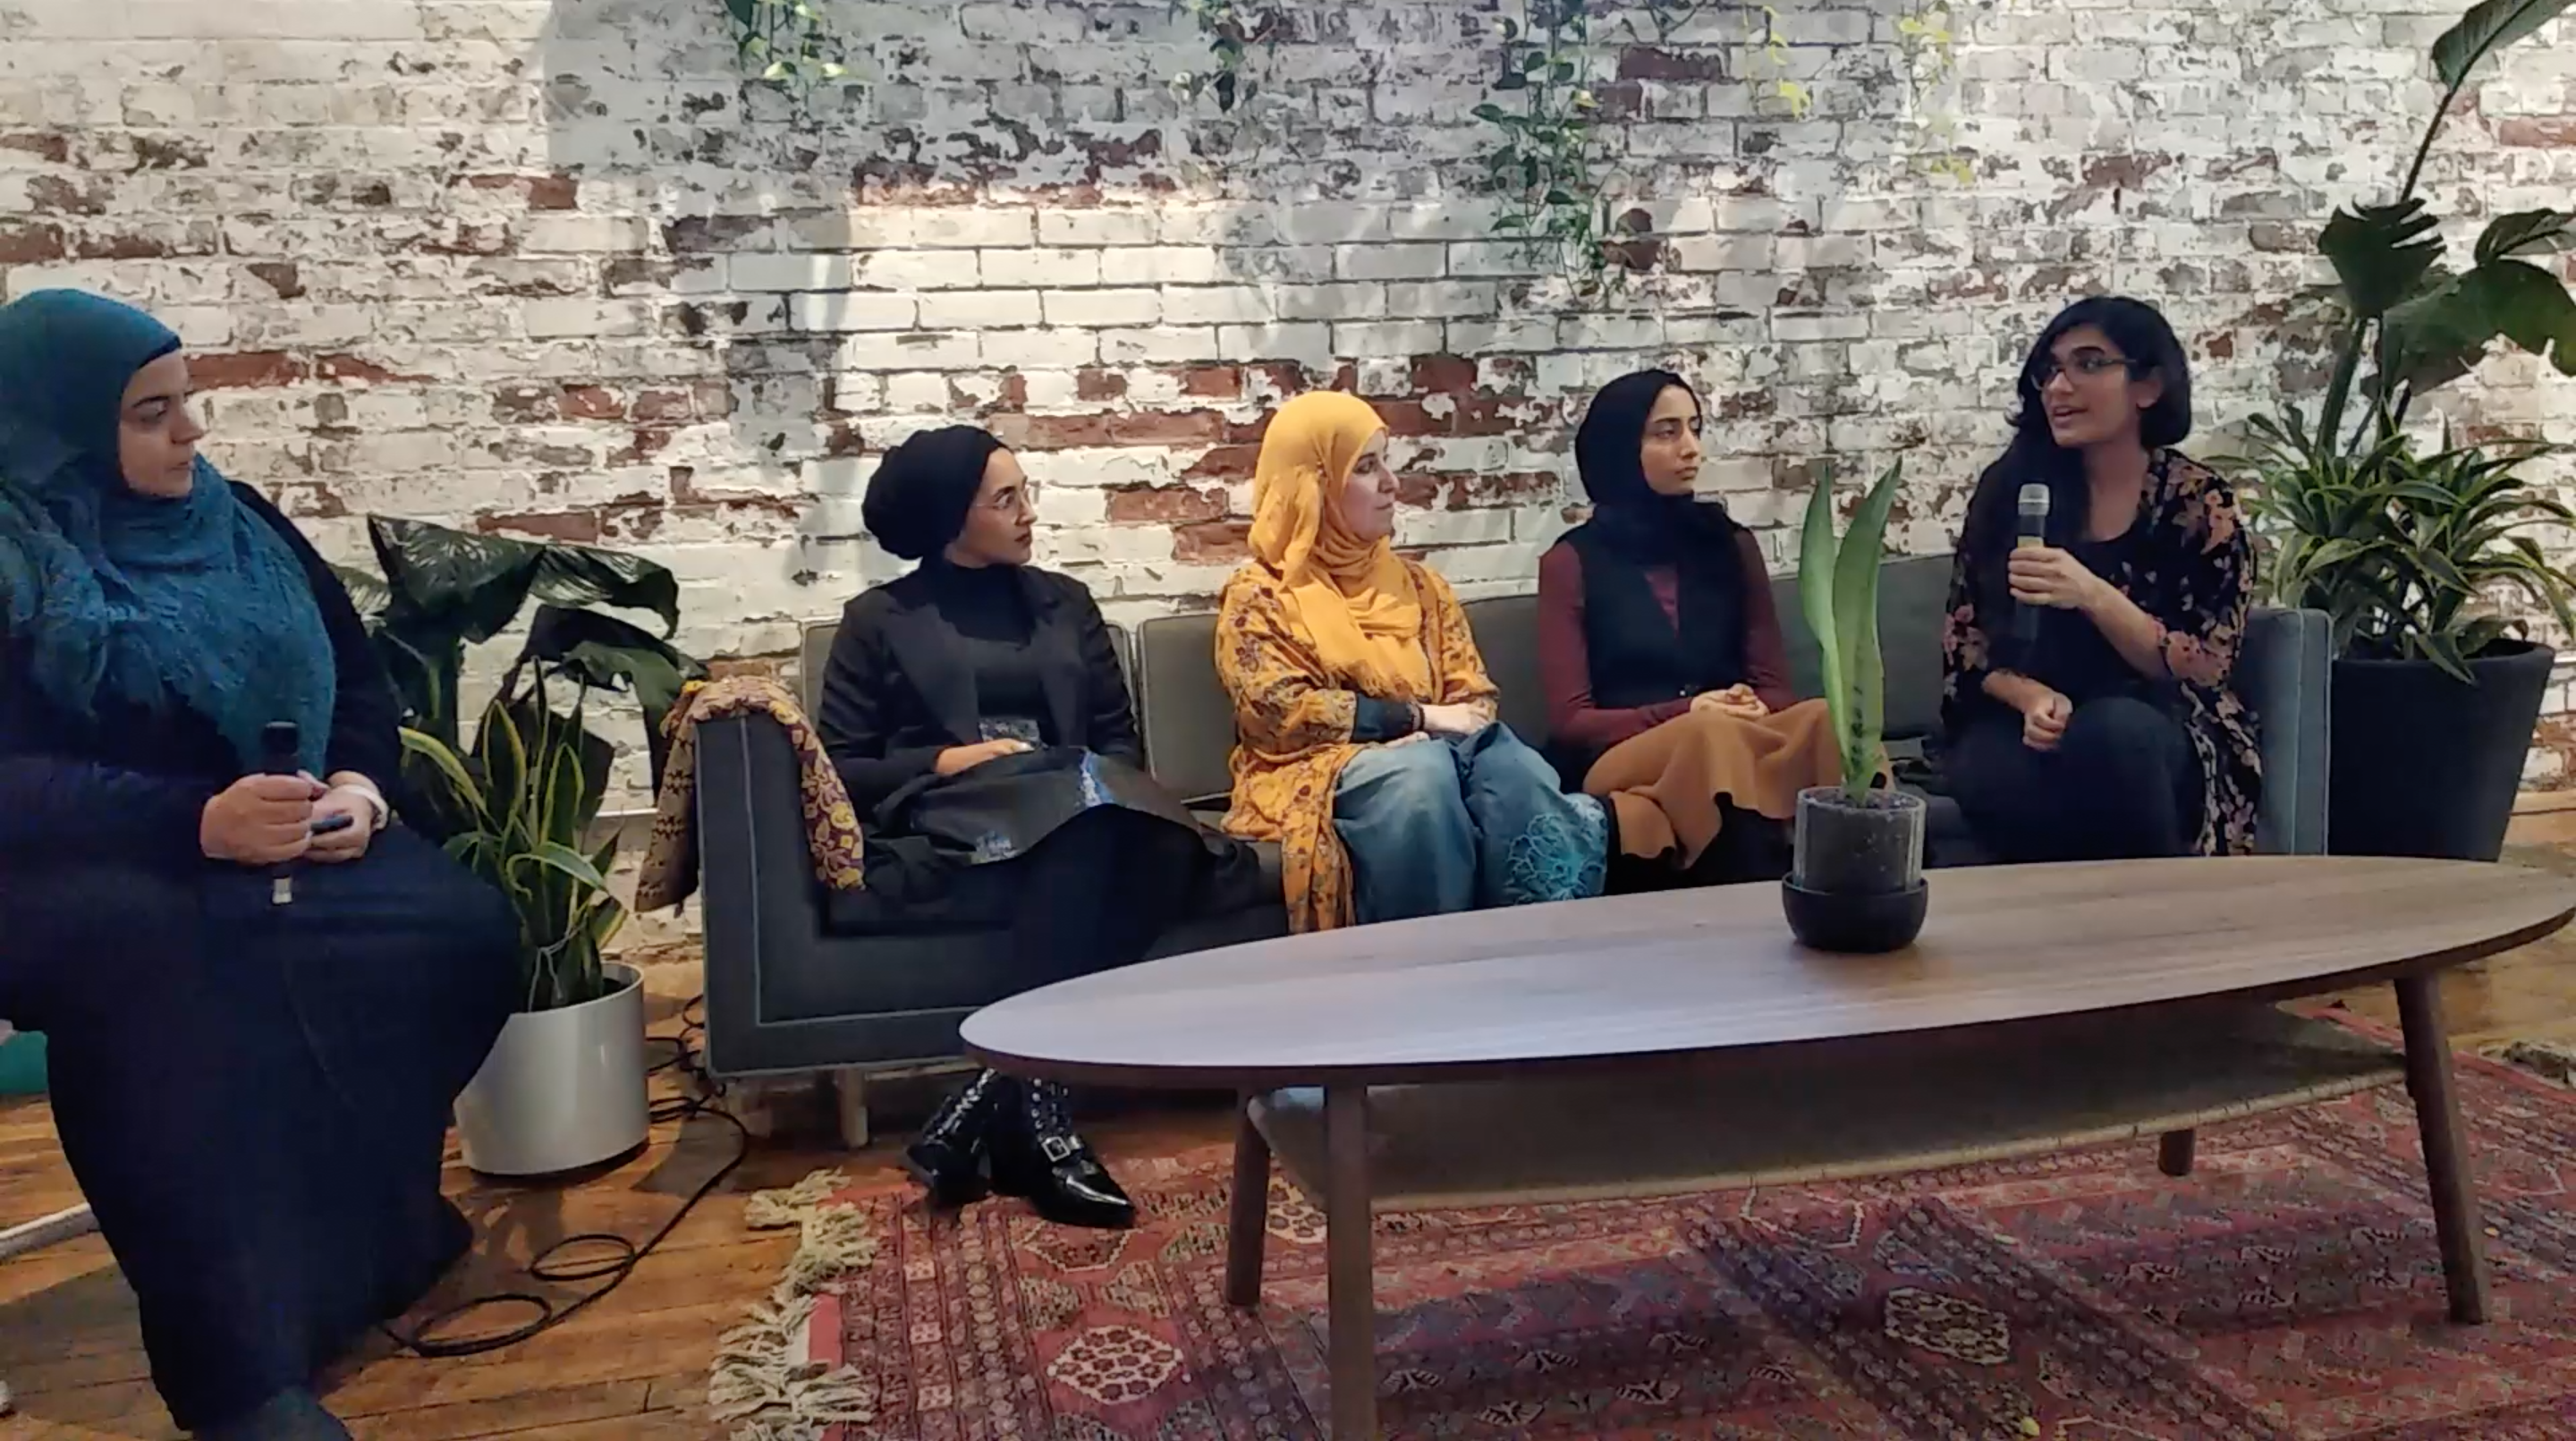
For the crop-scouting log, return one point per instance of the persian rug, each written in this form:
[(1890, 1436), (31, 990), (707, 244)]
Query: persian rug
[(2289, 1288)]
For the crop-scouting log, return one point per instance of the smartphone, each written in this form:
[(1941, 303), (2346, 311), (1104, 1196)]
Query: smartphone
[(336, 821)]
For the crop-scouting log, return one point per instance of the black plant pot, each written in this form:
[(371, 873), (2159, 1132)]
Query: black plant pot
[(2421, 765), (1857, 884)]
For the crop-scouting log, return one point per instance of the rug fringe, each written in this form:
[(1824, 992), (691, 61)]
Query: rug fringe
[(760, 1379)]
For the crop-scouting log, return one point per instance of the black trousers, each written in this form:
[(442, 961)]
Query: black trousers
[(2123, 783), (255, 1099)]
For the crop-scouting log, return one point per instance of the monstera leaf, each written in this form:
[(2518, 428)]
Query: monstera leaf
[(2380, 252), (605, 653), (2439, 336)]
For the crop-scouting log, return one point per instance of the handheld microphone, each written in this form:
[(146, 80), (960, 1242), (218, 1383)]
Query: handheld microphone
[(279, 741), (2033, 531)]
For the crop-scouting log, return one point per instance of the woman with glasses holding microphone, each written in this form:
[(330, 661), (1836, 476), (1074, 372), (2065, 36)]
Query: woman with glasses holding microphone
[(2101, 592)]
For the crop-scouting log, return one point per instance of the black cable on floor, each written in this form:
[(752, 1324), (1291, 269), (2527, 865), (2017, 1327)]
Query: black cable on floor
[(699, 1094)]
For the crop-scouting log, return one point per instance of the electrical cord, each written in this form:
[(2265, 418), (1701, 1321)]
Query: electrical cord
[(699, 1095)]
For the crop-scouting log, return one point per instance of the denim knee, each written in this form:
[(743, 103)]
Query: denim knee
[(1420, 778)]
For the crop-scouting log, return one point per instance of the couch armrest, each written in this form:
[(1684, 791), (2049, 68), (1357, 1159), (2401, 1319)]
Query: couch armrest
[(756, 882), (2284, 671)]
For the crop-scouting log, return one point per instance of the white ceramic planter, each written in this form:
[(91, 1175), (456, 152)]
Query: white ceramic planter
[(562, 1089)]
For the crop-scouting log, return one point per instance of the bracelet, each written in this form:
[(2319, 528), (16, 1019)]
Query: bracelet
[(1413, 716)]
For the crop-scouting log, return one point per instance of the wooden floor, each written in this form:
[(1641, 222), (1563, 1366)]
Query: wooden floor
[(633, 1367)]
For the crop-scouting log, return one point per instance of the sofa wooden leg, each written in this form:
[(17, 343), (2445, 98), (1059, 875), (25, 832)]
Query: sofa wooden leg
[(2173, 1152), (850, 1095), (1248, 1212)]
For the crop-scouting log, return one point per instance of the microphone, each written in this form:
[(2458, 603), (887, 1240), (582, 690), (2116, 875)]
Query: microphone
[(2033, 531), (279, 741)]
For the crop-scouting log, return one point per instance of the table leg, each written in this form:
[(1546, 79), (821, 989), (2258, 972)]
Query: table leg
[(2446, 1161), (1248, 1218), (1348, 1265), (2173, 1152)]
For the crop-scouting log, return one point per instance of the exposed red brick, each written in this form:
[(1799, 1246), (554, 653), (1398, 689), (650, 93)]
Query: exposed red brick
[(1407, 417), (53, 195), (841, 440), (1215, 382), (2221, 346), (581, 527), (280, 276), (646, 442), (523, 404), (591, 402), (1166, 427), (1226, 462), (1484, 415), (1164, 505), (1644, 62), (661, 405), (1015, 392), (1416, 488), (1444, 374), (169, 152), (553, 192), (1285, 376), (490, 238), (351, 367), (1621, 100), (2554, 131), (648, 271), (24, 244), (122, 245), (1051, 432), (708, 234), (1747, 405), (1099, 385), (244, 370), (1214, 542), (52, 147), (715, 399)]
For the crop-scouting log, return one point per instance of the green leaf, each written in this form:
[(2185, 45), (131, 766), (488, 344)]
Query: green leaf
[(2509, 235), (2381, 252), (1816, 548), (1490, 113), (562, 860), (368, 594), (456, 783), (1856, 570), (2485, 29)]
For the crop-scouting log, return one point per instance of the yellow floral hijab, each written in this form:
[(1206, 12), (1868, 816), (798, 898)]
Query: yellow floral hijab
[(1352, 597)]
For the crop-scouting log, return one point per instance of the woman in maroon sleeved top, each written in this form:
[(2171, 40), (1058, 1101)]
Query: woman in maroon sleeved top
[(1667, 681)]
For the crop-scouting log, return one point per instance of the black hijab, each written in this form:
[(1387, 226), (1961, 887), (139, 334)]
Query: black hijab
[(918, 499), (1636, 654), (1628, 514)]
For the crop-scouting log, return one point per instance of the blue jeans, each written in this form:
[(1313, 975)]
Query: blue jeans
[(1454, 823)]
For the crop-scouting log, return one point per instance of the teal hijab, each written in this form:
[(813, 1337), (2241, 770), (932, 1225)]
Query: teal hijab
[(111, 597)]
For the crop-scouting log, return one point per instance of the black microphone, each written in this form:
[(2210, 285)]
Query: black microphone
[(2033, 531), (279, 743)]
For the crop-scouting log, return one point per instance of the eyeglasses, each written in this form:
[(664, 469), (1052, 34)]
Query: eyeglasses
[(2087, 364), (1012, 498)]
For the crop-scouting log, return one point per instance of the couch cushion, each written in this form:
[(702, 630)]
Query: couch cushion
[(1913, 596), (1506, 630), (1187, 717)]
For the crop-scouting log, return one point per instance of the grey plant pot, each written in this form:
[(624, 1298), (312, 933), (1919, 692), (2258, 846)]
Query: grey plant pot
[(1856, 884), (562, 1089)]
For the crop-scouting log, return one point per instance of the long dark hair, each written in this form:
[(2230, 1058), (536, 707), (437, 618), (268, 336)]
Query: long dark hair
[(2142, 334)]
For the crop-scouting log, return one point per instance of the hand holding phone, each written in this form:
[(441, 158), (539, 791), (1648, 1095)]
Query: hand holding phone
[(324, 825)]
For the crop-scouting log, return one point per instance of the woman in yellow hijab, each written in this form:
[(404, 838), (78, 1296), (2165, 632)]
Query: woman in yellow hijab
[(1365, 737)]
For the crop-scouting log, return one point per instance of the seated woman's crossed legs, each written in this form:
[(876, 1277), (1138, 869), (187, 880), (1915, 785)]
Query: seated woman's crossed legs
[(1453, 823)]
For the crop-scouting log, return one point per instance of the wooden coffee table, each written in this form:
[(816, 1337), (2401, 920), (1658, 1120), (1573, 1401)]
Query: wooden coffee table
[(1668, 1043)]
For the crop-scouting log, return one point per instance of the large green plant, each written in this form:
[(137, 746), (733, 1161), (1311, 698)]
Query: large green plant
[(2404, 551), (518, 804), (1838, 591), (2414, 321)]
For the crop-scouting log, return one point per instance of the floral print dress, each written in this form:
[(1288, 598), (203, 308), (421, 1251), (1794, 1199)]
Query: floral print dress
[(2191, 568)]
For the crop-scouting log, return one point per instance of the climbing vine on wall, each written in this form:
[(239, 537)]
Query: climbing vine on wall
[(786, 43), (1232, 30)]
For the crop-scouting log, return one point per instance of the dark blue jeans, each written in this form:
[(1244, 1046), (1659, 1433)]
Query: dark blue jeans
[(1455, 823)]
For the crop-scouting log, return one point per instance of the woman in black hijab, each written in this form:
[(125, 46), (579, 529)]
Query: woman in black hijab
[(977, 710), (1667, 682)]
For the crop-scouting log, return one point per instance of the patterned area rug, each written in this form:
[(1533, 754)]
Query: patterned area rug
[(2290, 1288)]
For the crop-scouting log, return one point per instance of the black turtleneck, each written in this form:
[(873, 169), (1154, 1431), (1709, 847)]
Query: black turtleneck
[(988, 608)]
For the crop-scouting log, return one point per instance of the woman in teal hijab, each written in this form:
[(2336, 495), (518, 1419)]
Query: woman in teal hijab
[(253, 1095)]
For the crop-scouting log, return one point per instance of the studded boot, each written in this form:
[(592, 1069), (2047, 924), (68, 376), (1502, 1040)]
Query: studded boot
[(1037, 1155), (947, 1158)]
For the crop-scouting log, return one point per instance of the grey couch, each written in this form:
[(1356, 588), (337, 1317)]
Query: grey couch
[(784, 993)]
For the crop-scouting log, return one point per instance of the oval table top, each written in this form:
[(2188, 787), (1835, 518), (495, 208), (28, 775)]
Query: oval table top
[(1715, 969)]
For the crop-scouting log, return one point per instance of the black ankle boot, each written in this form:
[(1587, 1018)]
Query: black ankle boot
[(947, 1158), (1037, 1155)]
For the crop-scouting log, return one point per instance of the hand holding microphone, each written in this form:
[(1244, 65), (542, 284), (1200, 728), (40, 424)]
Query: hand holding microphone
[(2040, 574), (264, 819)]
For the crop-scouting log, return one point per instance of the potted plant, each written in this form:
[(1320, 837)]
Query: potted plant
[(1856, 873), (564, 1087), (2436, 692)]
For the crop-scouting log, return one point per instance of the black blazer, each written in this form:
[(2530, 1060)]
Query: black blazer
[(895, 695)]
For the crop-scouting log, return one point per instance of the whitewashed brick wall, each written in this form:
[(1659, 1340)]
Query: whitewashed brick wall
[(551, 269)]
